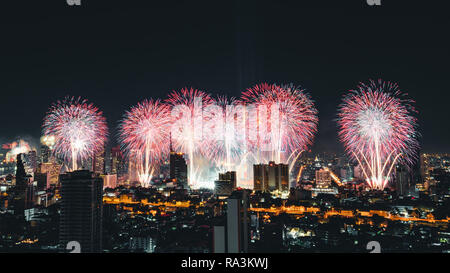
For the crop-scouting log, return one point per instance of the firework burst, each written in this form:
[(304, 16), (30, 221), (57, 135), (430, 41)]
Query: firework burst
[(223, 135), (378, 129), (188, 106), (144, 134), (286, 121), (79, 128), (15, 148)]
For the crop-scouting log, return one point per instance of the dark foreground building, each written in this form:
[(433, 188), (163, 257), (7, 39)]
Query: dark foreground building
[(178, 169), (81, 210)]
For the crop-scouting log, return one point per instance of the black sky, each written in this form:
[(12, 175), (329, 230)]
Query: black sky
[(116, 53)]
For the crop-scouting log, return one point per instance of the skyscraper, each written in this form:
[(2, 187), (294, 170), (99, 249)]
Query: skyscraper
[(133, 167), (226, 183), (230, 176), (118, 164), (42, 181), (81, 210), (52, 169), (178, 169), (45, 153), (30, 159), (219, 245), (98, 162), (47, 142), (237, 222), (24, 189), (271, 177), (402, 180), (109, 180), (260, 178), (21, 180), (30, 198), (223, 187), (116, 156)]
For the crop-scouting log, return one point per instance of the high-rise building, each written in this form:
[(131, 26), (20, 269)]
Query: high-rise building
[(178, 169), (346, 172), (234, 223), (109, 181), (98, 162), (116, 156), (86, 164), (219, 245), (271, 177), (237, 222), (118, 164), (22, 188), (323, 178), (117, 160), (45, 153), (133, 167), (230, 176), (30, 197), (81, 210), (41, 180), (47, 144), (423, 165), (402, 180), (21, 175), (223, 187), (260, 177), (52, 169), (226, 184), (359, 172), (30, 159)]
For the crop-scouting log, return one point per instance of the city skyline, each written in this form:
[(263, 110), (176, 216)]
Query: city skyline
[(268, 123), (251, 127)]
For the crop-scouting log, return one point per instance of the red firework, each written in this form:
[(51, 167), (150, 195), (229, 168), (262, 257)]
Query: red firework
[(285, 115), (224, 131), (188, 107), (79, 128), (378, 129), (144, 135), (187, 128)]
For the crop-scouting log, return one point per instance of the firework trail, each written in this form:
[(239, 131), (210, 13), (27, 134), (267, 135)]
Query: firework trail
[(378, 129), (188, 106), (144, 134), (286, 121), (79, 128)]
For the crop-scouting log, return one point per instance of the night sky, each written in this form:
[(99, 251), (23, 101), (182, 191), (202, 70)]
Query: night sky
[(116, 53)]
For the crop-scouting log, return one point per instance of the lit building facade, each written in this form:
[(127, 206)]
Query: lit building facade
[(271, 177), (178, 169)]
